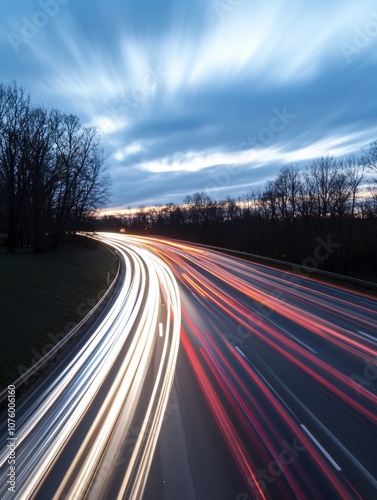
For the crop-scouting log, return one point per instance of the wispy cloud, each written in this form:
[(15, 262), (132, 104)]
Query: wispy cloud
[(175, 88)]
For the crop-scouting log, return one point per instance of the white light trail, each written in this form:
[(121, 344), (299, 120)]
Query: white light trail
[(118, 356)]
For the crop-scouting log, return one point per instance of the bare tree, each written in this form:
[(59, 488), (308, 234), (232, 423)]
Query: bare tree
[(370, 157), (322, 179), (197, 205), (14, 112), (354, 170), (80, 164), (52, 171), (40, 174)]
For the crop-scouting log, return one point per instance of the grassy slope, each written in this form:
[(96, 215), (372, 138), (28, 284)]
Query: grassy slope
[(45, 295)]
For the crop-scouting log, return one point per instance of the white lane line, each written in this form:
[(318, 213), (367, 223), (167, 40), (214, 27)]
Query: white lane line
[(329, 457), (242, 354), (364, 303), (334, 439), (295, 339), (267, 383), (198, 299), (367, 335), (160, 332)]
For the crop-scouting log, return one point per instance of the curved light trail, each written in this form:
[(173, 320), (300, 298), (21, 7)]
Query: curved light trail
[(119, 380), (283, 362), (286, 364)]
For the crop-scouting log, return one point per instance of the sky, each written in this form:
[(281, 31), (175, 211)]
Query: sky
[(200, 95)]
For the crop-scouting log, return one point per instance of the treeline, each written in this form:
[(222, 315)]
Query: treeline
[(52, 171), (322, 215)]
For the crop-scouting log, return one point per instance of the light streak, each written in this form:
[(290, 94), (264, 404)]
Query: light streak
[(321, 334), (113, 362), (242, 293)]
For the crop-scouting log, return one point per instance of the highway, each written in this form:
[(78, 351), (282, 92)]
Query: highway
[(90, 430), (209, 377), (288, 367)]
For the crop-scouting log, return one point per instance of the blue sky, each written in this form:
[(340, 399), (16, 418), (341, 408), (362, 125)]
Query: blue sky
[(200, 95)]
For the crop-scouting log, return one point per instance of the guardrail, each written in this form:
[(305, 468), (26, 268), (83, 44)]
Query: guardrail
[(42, 362), (311, 270), (284, 263)]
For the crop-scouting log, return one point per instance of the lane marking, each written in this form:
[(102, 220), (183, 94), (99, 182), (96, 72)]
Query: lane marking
[(329, 457), (335, 440), (277, 395), (292, 337), (198, 299), (161, 333), (366, 302), (367, 335), (239, 350)]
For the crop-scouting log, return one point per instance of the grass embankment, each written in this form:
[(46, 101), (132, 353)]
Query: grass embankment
[(43, 296)]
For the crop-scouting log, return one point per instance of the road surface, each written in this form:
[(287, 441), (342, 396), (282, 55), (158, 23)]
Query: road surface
[(90, 430), (274, 392), (288, 367)]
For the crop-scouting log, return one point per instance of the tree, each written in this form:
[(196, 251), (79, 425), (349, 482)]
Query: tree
[(14, 113), (198, 207), (322, 179), (52, 171), (370, 157), (354, 172), (290, 182), (40, 174)]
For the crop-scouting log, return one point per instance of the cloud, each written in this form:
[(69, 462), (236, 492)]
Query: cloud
[(182, 91)]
